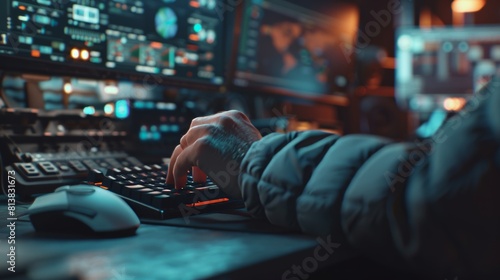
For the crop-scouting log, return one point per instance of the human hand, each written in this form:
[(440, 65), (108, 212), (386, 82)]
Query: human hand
[(213, 146)]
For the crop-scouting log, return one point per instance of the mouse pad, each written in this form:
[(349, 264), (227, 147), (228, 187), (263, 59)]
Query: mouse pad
[(232, 220)]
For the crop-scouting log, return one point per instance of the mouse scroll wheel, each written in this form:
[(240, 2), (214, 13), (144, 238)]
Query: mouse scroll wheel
[(77, 190), (81, 190), (63, 188)]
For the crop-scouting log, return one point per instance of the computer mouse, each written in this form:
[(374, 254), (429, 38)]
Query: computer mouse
[(83, 210)]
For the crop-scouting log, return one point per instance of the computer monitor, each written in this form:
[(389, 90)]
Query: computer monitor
[(148, 41), (440, 68), (288, 49)]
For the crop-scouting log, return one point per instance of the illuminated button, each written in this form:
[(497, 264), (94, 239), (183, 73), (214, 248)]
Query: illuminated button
[(89, 110), (35, 53), (85, 55), (453, 104), (75, 53), (109, 109), (68, 88), (197, 27)]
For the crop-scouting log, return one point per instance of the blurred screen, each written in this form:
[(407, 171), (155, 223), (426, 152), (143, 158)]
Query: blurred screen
[(434, 65), (288, 48), (153, 41)]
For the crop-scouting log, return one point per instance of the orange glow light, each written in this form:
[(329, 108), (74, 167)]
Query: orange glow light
[(85, 55), (208, 202), (156, 45), (467, 6), (75, 53), (22, 8), (194, 37), (35, 53), (453, 104), (194, 4)]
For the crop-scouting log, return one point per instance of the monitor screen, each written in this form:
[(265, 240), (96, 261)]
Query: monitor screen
[(152, 41), (439, 67), (287, 48)]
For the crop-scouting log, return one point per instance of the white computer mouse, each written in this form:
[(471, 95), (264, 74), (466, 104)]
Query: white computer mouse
[(83, 209)]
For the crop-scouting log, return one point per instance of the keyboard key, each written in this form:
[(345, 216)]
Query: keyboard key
[(114, 171), (166, 191), (48, 168), (134, 161), (126, 170), (63, 167), (147, 197), (95, 175), (137, 169), (156, 167), (147, 168), (112, 162), (163, 201), (91, 164), (128, 189), (117, 186), (137, 193), (108, 181), (146, 186), (28, 169), (78, 166)]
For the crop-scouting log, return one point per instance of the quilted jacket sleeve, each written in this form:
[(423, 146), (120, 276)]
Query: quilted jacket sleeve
[(432, 204)]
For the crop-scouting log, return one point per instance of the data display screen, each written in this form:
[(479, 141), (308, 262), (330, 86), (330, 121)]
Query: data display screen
[(290, 48), (155, 41), (436, 64)]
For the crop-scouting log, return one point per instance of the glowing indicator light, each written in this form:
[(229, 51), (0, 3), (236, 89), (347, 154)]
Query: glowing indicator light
[(122, 109), (453, 104), (75, 53), (194, 4), (89, 110), (194, 37), (35, 53), (156, 45), (68, 88), (111, 89), (109, 109), (467, 6), (207, 202), (197, 27), (84, 54)]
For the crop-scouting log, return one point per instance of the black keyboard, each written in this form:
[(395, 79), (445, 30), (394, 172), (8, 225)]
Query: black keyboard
[(144, 189), (44, 172)]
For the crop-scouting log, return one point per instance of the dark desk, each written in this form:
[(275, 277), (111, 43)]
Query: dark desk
[(160, 252)]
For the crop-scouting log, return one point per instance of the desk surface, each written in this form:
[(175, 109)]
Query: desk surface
[(158, 252)]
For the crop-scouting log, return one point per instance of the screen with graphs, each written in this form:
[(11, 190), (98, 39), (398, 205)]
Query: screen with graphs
[(155, 41)]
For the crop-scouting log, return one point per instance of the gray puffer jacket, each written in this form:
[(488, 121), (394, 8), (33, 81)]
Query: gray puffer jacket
[(432, 205)]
